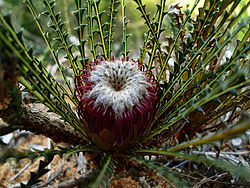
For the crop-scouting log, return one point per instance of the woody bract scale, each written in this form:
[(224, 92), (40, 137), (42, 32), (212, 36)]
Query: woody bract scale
[(188, 85)]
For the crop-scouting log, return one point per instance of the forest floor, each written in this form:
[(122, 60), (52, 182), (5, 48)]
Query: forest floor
[(66, 170)]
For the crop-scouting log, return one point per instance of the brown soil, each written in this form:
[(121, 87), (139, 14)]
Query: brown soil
[(69, 171)]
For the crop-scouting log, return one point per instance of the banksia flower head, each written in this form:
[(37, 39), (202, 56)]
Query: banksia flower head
[(117, 102)]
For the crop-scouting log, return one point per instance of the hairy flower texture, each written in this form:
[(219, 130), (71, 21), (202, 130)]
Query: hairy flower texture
[(117, 102)]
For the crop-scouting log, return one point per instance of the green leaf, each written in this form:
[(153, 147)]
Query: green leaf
[(241, 171), (62, 35), (95, 5), (34, 177), (37, 79), (233, 130), (105, 168), (172, 176), (79, 149)]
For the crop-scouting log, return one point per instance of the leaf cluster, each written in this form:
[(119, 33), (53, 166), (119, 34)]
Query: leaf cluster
[(199, 84)]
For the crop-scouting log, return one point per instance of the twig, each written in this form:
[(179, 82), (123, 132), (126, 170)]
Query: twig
[(226, 153), (21, 171), (181, 164), (54, 177), (49, 166), (76, 181), (205, 180)]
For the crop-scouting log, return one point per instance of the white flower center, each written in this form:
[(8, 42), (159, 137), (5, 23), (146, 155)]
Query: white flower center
[(120, 85)]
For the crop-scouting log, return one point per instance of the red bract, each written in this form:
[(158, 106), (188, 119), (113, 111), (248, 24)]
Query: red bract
[(117, 102)]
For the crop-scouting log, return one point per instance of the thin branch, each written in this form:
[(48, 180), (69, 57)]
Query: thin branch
[(210, 179), (222, 153), (76, 181), (20, 172), (39, 122), (54, 177)]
